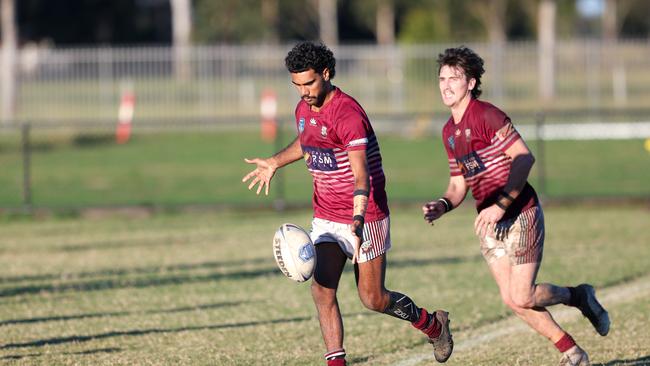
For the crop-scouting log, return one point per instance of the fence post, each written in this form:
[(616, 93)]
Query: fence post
[(280, 202), (27, 180), (541, 158)]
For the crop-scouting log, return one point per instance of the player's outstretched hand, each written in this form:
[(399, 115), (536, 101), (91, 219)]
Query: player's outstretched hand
[(432, 211), (262, 174)]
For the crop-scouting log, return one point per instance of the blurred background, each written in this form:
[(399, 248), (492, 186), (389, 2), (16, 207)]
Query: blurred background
[(155, 103)]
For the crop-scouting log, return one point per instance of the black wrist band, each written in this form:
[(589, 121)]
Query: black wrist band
[(501, 206), (361, 192), (447, 203), (506, 196), (359, 218)]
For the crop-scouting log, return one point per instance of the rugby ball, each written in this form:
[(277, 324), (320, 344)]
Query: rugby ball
[(294, 252)]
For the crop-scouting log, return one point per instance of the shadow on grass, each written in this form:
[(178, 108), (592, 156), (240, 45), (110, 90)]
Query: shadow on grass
[(120, 313), (641, 361), (179, 279), (143, 332), (136, 271), (87, 352)]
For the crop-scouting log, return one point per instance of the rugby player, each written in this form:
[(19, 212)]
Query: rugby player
[(487, 155), (351, 217)]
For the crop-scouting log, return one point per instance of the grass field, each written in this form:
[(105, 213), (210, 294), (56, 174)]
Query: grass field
[(202, 289), (180, 168)]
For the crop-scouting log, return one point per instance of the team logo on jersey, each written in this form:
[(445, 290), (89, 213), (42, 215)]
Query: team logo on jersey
[(321, 159), (452, 145), (312, 121), (323, 131), (301, 124), (468, 134), (470, 164)]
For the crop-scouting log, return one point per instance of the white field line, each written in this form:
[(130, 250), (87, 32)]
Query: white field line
[(608, 296)]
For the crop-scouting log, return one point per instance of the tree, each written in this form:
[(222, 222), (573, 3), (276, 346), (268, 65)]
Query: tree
[(8, 65), (385, 23), (546, 49), (327, 21), (182, 31)]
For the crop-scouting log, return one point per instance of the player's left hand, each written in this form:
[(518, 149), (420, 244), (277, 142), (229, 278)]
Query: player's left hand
[(357, 231), (487, 219)]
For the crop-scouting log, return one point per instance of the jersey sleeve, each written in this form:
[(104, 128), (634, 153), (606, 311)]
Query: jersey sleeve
[(353, 128), (499, 130)]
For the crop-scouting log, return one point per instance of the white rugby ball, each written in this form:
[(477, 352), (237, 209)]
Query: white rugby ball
[(294, 252)]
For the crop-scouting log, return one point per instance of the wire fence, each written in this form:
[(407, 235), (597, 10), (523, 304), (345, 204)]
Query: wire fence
[(191, 130), (225, 83)]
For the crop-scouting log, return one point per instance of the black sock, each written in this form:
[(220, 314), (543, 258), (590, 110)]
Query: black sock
[(402, 307), (574, 300)]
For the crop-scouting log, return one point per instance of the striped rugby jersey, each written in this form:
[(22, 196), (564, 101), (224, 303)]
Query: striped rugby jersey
[(326, 136), (476, 149)]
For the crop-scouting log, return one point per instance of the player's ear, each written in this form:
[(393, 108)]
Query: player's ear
[(326, 74), (471, 84)]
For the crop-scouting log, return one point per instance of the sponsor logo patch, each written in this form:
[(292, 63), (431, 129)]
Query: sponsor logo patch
[(319, 158), (470, 164), (312, 121)]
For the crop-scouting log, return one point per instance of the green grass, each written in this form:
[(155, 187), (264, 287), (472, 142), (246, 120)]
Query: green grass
[(203, 289), (181, 168)]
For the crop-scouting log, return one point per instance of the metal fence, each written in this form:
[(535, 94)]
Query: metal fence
[(59, 152), (225, 83)]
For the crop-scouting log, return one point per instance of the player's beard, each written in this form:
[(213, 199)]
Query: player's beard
[(316, 101)]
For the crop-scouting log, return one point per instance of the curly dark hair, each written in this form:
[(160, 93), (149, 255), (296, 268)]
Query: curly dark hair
[(466, 59), (310, 55)]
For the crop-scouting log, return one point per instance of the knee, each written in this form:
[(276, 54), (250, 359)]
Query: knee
[(517, 303), (523, 301), (507, 300), (321, 294), (374, 300)]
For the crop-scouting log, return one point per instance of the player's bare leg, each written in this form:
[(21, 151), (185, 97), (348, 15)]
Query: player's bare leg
[(517, 288), (518, 291), (370, 278), (323, 289)]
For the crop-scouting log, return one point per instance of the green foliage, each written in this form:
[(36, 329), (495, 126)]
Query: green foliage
[(238, 21)]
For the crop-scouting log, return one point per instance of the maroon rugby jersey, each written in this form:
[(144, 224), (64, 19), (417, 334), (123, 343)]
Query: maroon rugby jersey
[(326, 136), (476, 149)]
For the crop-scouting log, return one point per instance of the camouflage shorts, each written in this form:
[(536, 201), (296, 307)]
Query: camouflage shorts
[(521, 238)]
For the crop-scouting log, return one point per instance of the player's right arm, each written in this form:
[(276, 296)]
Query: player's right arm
[(266, 168), (453, 197)]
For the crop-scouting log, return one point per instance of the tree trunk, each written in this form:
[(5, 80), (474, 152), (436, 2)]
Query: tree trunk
[(496, 20), (328, 22), (182, 32), (8, 63), (546, 49), (610, 20), (270, 17), (385, 22)]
